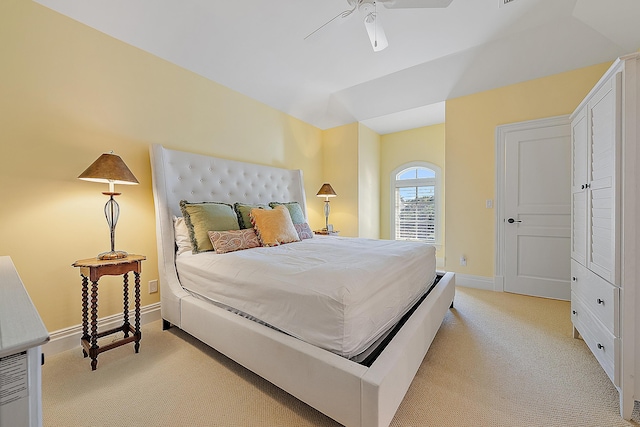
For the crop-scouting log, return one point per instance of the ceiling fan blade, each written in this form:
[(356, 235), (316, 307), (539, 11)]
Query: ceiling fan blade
[(342, 14), (376, 32), (405, 4)]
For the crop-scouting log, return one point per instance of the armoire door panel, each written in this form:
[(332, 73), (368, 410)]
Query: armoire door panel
[(579, 175), (602, 200)]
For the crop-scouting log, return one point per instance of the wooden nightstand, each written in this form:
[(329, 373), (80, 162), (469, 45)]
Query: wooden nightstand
[(93, 269), (326, 233)]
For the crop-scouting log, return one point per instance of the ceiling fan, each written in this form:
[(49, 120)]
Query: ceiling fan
[(372, 21)]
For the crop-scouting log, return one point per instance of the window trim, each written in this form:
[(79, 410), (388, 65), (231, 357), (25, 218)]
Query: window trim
[(437, 195)]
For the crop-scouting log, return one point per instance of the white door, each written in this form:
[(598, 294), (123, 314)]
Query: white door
[(537, 211)]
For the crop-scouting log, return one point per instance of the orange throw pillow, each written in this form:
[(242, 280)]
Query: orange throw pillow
[(274, 227)]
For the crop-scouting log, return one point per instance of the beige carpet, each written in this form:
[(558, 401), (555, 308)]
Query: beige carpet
[(498, 360)]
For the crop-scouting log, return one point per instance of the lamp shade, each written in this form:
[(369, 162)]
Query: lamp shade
[(109, 168), (326, 191)]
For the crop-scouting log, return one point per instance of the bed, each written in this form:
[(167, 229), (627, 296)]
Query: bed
[(352, 393)]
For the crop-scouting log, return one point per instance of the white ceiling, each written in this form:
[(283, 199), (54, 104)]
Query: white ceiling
[(258, 48)]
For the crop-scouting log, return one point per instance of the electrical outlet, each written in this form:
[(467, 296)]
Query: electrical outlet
[(489, 204), (463, 260), (153, 286)]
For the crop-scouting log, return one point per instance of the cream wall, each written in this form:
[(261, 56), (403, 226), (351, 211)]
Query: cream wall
[(69, 93), (426, 144), (470, 156)]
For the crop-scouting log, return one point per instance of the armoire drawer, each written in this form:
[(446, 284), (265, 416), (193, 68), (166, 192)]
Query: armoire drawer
[(602, 343), (600, 296), (578, 278)]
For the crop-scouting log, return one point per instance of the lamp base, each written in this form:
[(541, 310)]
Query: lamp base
[(113, 255)]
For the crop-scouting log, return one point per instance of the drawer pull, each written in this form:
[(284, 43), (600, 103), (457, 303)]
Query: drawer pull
[(600, 347), (599, 301)]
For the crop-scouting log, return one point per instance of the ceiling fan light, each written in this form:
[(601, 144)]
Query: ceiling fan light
[(376, 32)]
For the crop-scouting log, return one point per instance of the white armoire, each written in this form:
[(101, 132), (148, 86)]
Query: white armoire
[(22, 334), (605, 226)]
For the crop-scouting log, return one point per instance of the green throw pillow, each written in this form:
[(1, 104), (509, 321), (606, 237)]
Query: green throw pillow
[(243, 210), (204, 217)]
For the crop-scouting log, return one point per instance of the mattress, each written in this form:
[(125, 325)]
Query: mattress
[(339, 294)]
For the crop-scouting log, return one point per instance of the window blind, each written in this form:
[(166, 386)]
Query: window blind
[(415, 213)]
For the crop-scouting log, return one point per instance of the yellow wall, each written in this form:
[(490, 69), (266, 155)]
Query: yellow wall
[(340, 151), (368, 183), (351, 165), (425, 144), (470, 156), (69, 93)]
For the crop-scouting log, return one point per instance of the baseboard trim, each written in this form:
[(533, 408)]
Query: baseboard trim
[(476, 282), (69, 338)]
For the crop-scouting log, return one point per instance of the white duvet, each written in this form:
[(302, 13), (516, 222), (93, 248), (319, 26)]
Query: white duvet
[(340, 294)]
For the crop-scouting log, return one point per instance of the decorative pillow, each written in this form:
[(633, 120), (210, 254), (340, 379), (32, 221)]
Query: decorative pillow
[(274, 227), (204, 217), (233, 240), (304, 231), (295, 210), (181, 232), (243, 210)]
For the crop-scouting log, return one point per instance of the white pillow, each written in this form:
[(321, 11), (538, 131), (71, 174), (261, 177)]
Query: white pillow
[(183, 241)]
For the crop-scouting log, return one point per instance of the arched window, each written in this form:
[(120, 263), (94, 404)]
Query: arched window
[(416, 203)]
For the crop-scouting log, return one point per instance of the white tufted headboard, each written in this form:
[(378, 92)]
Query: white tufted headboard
[(178, 175)]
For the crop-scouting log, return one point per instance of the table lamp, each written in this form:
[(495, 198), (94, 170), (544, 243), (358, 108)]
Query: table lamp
[(111, 169), (326, 191)]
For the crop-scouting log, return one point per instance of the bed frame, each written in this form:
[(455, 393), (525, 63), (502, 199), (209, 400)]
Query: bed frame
[(350, 393)]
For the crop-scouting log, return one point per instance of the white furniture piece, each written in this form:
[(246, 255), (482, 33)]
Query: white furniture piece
[(605, 235), (350, 393), (21, 335)]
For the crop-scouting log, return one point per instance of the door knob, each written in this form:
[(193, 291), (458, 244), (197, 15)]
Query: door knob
[(511, 220)]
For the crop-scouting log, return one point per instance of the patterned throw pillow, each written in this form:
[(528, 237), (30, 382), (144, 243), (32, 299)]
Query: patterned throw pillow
[(295, 210), (233, 240), (304, 231), (274, 227)]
